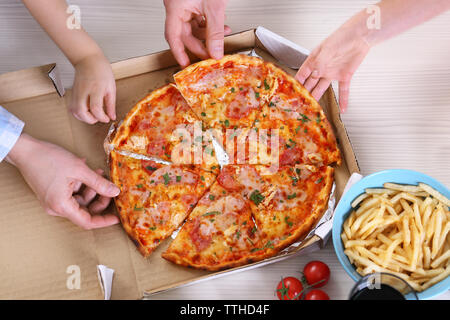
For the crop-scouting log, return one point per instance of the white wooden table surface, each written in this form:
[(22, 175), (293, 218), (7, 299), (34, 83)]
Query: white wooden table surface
[(398, 117)]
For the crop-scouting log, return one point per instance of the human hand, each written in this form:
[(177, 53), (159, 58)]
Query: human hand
[(57, 176), (336, 58), (190, 21), (94, 90)]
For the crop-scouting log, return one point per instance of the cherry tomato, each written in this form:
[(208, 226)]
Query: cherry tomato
[(316, 294), (289, 288), (316, 274)]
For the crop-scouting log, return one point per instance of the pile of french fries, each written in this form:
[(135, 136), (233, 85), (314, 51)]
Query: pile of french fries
[(402, 230)]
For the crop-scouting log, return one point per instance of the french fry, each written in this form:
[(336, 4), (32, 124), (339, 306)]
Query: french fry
[(437, 234), (400, 229), (435, 194), (436, 279), (401, 187), (389, 251), (359, 199), (441, 259)]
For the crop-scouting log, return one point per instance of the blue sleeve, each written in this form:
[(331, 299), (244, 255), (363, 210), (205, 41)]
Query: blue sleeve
[(10, 130)]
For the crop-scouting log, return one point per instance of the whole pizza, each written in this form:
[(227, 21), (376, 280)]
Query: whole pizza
[(271, 191)]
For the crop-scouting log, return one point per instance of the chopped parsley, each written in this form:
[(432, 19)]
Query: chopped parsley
[(227, 123), (203, 114), (289, 223), (178, 178), (211, 197), (292, 196), (267, 245), (257, 95), (266, 85), (304, 118), (256, 197), (137, 208), (150, 168), (294, 180), (319, 180), (212, 213), (166, 178), (139, 186), (232, 89), (152, 228)]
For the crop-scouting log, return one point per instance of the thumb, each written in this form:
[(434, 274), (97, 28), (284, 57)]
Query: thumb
[(97, 182), (215, 29)]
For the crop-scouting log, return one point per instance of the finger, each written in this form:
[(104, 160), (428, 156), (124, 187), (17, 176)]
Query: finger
[(82, 218), (99, 205), (199, 20), (304, 72), (173, 33), (80, 111), (215, 21), (85, 197), (96, 106), (227, 30), (195, 46), (320, 88), (344, 90), (310, 83), (200, 32), (92, 179), (110, 103)]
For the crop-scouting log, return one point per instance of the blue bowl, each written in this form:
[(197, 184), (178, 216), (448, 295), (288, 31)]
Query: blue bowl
[(377, 180)]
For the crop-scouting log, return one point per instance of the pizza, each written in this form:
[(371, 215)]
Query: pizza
[(219, 233), (274, 190), (160, 125), (226, 93), (154, 198), (252, 100), (251, 213)]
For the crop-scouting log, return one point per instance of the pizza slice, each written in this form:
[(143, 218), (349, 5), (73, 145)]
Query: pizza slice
[(304, 134), (228, 92), (155, 198), (220, 233), (286, 202), (291, 202), (163, 126)]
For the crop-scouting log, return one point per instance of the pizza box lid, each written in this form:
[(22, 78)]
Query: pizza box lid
[(46, 257)]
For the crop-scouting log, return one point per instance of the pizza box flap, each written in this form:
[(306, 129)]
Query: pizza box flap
[(36, 260)]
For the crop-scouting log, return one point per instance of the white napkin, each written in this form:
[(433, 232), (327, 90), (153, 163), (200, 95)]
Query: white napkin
[(105, 277)]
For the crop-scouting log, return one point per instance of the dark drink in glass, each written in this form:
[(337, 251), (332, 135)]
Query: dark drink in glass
[(382, 286)]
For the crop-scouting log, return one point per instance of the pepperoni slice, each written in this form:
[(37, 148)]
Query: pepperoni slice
[(228, 180), (290, 156), (242, 105), (157, 147), (200, 240), (189, 200)]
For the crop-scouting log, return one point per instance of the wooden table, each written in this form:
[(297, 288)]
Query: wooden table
[(398, 117)]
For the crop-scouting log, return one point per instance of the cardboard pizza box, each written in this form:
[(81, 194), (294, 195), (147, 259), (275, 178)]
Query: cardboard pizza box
[(44, 257)]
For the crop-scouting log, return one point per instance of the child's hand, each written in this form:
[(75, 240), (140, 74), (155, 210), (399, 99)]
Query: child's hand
[(94, 90)]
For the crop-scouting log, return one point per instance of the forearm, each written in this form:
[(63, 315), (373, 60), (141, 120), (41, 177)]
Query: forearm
[(76, 44), (21, 150), (396, 16)]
